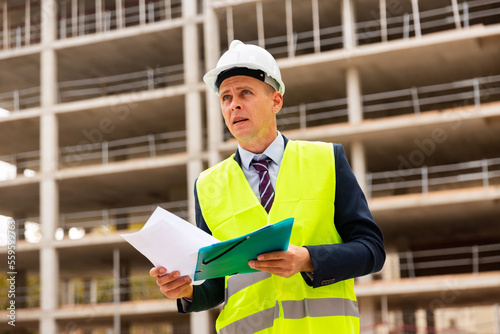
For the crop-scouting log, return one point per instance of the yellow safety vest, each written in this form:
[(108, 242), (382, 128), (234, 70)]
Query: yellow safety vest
[(305, 190)]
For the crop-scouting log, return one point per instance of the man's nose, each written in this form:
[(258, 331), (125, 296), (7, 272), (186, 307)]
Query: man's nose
[(235, 104)]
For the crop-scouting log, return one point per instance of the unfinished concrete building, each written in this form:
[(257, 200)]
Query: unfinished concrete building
[(104, 116)]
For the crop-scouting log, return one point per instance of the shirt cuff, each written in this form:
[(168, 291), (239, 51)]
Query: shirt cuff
[(308, 277), (185, 303)]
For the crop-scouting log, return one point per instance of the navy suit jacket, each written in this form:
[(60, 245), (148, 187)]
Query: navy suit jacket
[(361, 253)]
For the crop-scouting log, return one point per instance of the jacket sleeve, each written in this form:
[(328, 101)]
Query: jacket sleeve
[(362, 251), (211, 293)]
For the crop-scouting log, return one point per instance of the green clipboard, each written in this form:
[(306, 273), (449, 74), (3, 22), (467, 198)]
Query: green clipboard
[(231, 257)]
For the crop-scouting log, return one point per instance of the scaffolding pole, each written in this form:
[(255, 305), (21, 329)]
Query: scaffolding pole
[(116, 291)]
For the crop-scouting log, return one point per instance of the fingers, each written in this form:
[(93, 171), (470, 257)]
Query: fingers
[(172, 285), (275, 267), (281, 255), (157, 271), (284, 264)]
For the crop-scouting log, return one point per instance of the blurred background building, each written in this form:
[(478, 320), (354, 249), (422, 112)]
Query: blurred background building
[(104, 117)]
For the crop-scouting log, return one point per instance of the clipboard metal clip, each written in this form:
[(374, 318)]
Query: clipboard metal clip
[(205, 262)]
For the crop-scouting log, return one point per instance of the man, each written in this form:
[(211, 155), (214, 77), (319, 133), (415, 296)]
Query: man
[(309, 288)]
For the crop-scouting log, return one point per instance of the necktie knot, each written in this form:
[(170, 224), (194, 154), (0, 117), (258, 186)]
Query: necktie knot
[(261, 165)]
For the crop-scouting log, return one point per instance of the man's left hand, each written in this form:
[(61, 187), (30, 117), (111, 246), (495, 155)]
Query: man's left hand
[(285, 264)]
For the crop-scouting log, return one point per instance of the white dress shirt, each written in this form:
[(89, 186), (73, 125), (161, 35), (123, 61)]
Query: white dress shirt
[(274, 152)]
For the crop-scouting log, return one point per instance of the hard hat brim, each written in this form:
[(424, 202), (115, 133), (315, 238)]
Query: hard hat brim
[(211, 76)]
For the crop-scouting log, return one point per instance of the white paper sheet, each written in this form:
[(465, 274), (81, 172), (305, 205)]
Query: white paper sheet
[(169, 241)]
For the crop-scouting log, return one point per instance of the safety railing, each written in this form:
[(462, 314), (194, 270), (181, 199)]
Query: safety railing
[(465, 259), (21, 25), (403, 26), (412, 100), (105, 152), (426, 179), (79, 24), (312, 114), (76, 225), (102, 290), (472, 259), (149, 79), (20, 99), (20, 36), (303, 42), (79, 291), (26, 296), (74, 90), (397, 27), (27, 163), (433, 97)]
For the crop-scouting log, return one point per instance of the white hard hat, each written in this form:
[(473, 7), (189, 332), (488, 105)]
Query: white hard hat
[(247, 56)]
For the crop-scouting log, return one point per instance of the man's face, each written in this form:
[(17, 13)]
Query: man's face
[(249, 107)]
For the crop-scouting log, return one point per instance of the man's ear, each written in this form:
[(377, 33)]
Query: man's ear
[(277, 102)]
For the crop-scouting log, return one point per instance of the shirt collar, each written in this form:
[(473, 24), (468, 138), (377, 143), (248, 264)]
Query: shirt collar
[(274, 152)]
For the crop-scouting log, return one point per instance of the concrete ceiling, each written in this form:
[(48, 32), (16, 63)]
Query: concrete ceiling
[(129, 119), (18, 136), (437, 226), (108, 190), (20, 200), (126, 189), (137, 53), (26, 75)]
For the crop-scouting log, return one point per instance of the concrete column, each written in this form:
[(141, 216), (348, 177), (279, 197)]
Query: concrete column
[(289, 29), (229, 23), (214, 115), (260, 24), (49, 260), (27, 22), (98, 16), (358, 163), (354, 97), (391, 270), (348, 24), (416, 18), (142, 12), (367, 318), (200, 322), (420, 322), (119, 14), (116, 292), (384, 310), (74, 18), (193, 104), (49, 192), (316, 26), (383, 20), (5, 23)]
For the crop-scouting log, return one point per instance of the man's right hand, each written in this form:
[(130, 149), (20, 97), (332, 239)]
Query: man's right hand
[(172, 284)]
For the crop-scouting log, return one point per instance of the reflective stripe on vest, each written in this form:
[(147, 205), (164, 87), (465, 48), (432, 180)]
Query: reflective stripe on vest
[(240, 282), (305, 190), (293, 309), (253, 323)]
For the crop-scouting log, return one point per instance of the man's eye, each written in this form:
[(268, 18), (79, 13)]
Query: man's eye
[(246, 92), (225, 98)]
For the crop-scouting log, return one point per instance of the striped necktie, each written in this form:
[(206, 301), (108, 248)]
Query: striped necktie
[(265, 187)]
